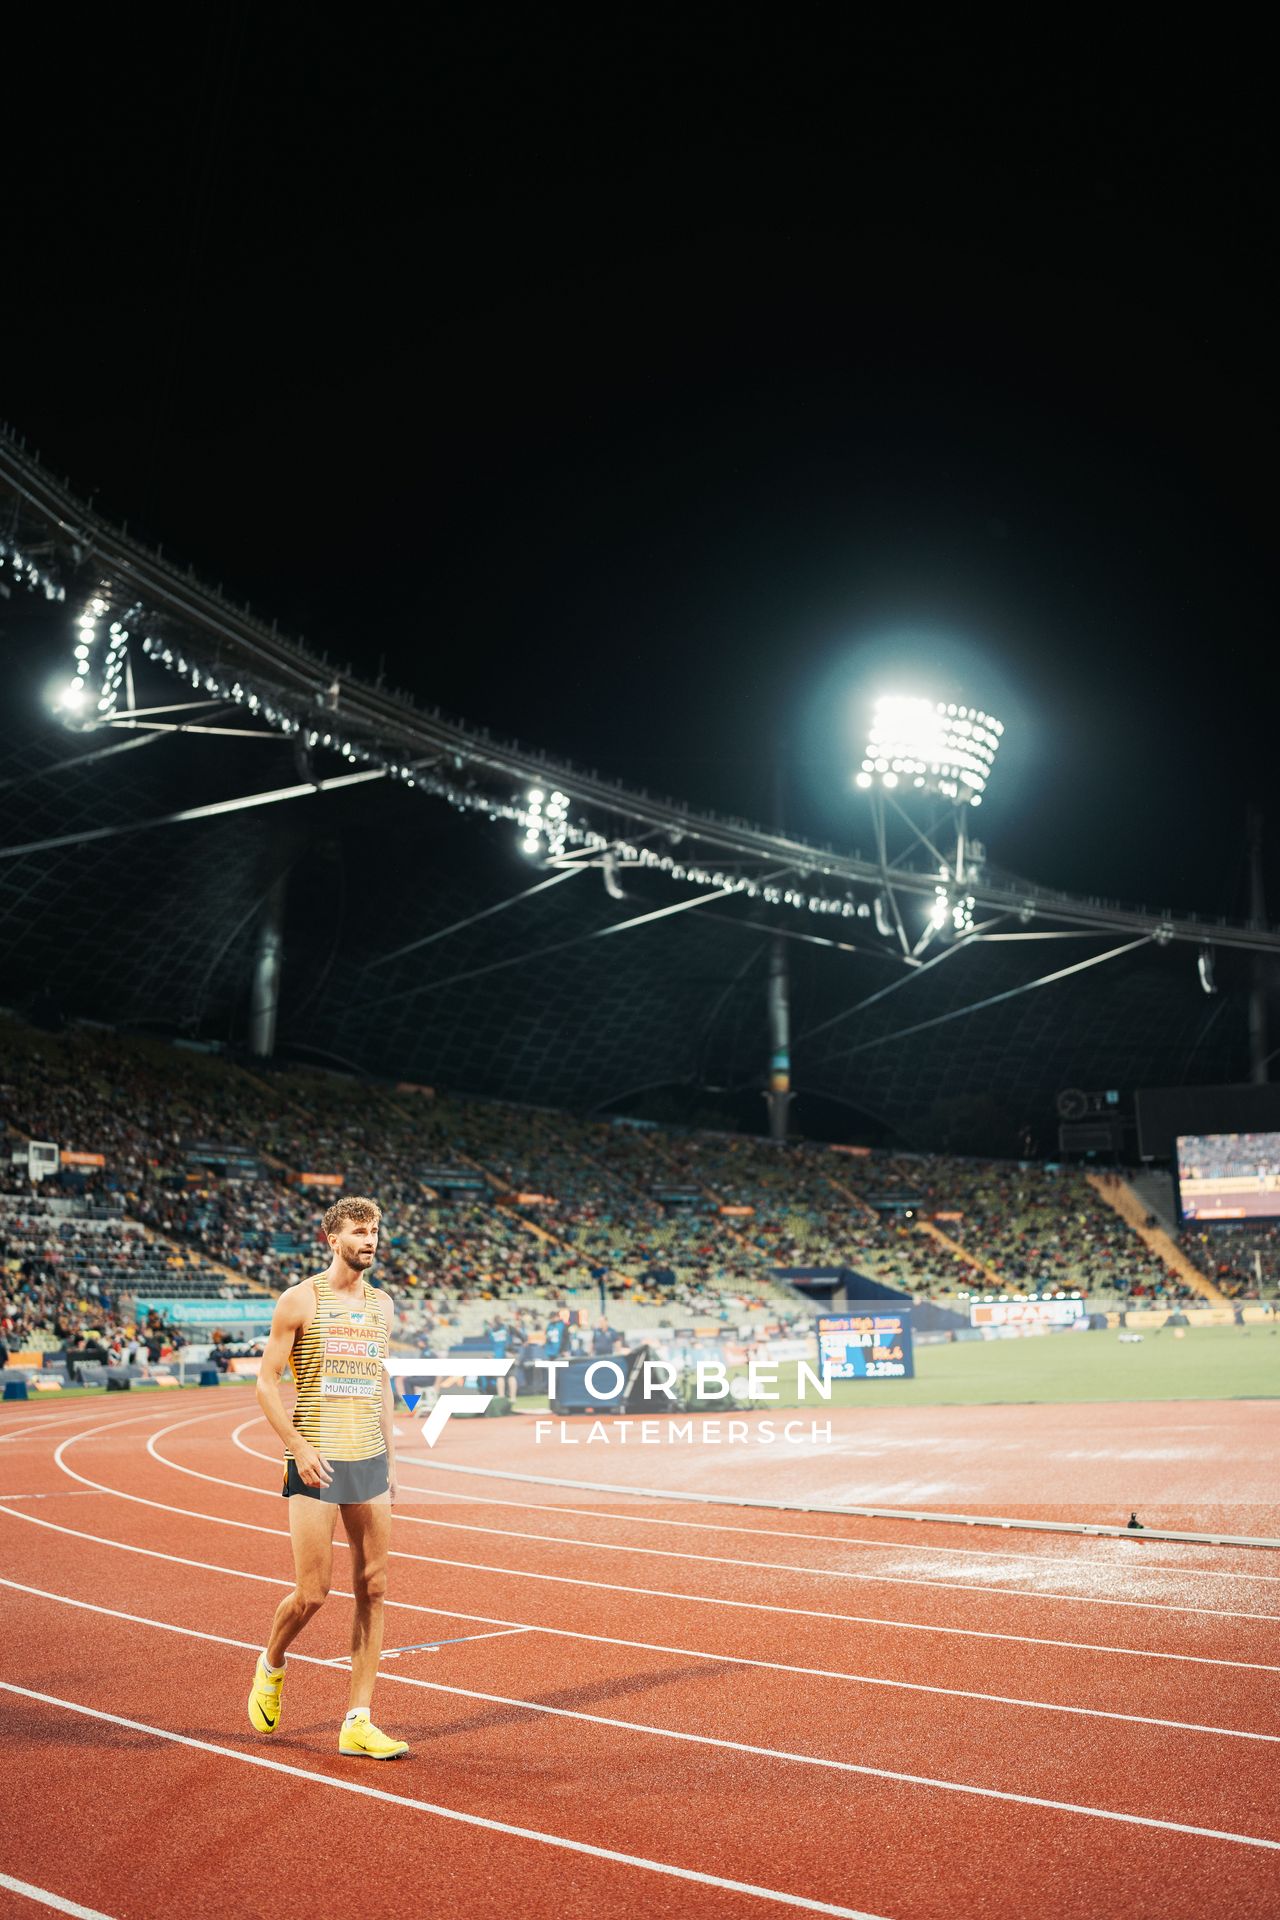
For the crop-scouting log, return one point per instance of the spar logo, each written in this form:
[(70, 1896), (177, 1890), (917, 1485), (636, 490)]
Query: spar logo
[(468, 1366)]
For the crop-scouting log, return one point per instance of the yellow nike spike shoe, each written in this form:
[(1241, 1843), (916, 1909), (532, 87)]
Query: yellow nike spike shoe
[(360, 1739), (264, 1698)]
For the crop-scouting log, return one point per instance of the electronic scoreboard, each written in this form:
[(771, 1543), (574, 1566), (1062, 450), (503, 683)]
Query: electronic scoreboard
[(1229, 1176), (866, 1344)]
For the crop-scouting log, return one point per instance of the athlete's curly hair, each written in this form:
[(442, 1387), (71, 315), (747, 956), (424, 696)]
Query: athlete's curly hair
[(352, 1206)]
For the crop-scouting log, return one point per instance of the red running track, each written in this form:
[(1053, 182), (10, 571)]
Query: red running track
[(689, 1711)]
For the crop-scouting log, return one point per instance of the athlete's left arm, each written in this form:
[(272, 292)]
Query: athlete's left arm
[(386, 1308)]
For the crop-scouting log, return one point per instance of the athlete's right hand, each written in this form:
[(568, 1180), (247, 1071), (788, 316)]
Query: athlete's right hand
[(313, 1469)]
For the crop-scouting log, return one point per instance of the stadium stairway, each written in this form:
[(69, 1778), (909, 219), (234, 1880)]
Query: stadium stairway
[(1155, 1191), (854, 1198), (962, 1254), (1135, 1213), (499, 1185), (503, 1192), (274, 1160), (708, 1193), (196, 1257)]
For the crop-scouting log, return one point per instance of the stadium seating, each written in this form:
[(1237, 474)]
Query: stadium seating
[(671, 1225), (1243, 1261)]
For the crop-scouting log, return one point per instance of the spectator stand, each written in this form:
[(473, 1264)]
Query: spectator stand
[(1119, 1194), (959, 1253)]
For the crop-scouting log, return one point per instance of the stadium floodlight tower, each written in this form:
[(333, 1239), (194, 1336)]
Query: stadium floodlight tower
[(925, 767)]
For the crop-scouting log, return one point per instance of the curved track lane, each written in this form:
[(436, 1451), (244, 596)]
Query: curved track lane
[(784, 1715)]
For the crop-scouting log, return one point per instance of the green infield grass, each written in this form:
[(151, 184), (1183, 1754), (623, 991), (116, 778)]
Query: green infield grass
[(1207, 1363)]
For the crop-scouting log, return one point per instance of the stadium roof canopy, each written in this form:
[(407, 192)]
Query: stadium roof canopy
[(465, 912)]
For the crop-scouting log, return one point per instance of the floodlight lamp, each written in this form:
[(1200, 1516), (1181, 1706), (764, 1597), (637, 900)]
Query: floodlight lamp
[(946, 748), (1204, 967)]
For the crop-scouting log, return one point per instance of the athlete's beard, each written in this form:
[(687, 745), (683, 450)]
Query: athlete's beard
[(353, 1258)]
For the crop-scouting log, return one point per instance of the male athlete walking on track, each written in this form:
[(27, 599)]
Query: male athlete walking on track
[(334, 1330)]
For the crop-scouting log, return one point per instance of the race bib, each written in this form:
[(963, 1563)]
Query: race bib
[(352, 1367)]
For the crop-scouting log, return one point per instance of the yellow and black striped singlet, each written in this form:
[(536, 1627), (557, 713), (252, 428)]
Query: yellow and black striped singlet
[(338, 1365)]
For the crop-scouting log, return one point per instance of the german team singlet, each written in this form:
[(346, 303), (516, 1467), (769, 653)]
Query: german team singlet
[(338, 1366)]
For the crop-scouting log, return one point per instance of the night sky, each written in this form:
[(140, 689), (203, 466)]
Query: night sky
[(659, 396)]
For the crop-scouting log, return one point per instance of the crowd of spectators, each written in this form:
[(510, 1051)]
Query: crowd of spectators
[(558, 1207), (67, 1282), (1236, 1156), (1029, 1227), (593, 1194), (1242, 1261)]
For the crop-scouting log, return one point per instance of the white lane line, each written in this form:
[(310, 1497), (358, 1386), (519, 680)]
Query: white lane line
[(55, 1414), (1082, 1566), (68, 1417), (727, 1560), (206, 1566), (1084, 1529), (44, 1898), (820, 1761), (59, 1493), (665, 1593), (463, 1819), (885, 1545), (842, 1573), (502, 1628), (64, 1417), (162, 1409)]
